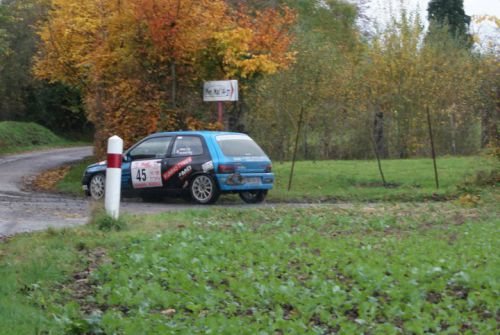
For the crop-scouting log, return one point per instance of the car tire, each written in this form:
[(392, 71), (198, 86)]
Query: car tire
[(253, 197), (97, 186), (204, 189)]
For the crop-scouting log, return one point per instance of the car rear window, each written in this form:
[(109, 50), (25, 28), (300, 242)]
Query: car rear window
[(239, 145)]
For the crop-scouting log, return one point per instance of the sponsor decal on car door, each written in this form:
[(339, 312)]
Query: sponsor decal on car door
[(176, 168), (208, 166), (185, 173)]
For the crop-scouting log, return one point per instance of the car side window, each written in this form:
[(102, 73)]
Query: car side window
[(152, 148), (187, 146)]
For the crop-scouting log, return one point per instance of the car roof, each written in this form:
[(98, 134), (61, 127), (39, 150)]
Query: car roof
[(194, 132)]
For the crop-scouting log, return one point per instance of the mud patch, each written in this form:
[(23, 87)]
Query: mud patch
[(82, 288), (377, 184)]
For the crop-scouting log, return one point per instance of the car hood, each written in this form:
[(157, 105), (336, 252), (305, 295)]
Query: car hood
[(97, 166)]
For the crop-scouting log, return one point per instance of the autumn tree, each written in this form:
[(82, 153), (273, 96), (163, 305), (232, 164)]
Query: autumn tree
[(370, 98), (408, 73), (326, 38), (140, 63)]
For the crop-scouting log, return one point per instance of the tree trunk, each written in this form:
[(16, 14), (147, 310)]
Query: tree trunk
[(453, 135), (173, 84), (235, 117), (489, 130), (433, 150), (306, 148), (326, 143), (100, 136), (379, 134), (294, 157)]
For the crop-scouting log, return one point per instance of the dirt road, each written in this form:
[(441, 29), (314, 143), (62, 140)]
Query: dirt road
[(22, 211), (25, 211)]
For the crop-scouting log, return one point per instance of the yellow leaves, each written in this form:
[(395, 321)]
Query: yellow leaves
[(133, 58), (488, 18), (195, 124), (237, 56), (259, 44), (469, 200)]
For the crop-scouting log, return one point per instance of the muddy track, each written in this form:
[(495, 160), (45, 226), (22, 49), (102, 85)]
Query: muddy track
[(23, 210)]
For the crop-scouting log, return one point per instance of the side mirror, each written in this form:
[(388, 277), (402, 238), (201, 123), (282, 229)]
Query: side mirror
[(126, 158)]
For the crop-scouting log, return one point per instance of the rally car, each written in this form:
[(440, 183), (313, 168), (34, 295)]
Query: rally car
[(199, 164)]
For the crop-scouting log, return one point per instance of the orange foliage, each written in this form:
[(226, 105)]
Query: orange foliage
[(195, 124), (257, 44), (133, 59)]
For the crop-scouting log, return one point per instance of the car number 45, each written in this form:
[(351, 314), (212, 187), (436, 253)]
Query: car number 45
[(141, 175), (146, 173)]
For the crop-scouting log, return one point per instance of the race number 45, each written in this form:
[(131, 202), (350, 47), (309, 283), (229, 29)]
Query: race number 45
[(141, 175), (146, 173)]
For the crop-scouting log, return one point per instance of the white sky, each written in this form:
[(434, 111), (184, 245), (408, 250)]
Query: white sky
[(380, 9), (472, 7)]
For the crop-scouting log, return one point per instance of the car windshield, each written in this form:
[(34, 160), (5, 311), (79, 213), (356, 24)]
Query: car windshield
[(239, 145)]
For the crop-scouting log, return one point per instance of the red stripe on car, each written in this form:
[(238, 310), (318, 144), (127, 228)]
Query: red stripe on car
[(176, 168)]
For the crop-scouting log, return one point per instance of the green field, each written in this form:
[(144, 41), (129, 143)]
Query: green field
[(347, 269), (23, 136), (411, 179)]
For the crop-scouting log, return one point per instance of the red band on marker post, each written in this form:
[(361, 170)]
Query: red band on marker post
[(114, 161)]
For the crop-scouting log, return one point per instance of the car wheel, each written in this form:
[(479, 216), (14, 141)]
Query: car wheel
[(204, 190), (97, 185), (253, 197)]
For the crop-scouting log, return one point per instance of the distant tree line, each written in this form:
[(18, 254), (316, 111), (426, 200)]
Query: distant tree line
[(132, 67), (366, 94), (22, 96)]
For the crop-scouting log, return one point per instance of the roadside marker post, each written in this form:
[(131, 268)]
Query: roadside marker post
[(113, 177)]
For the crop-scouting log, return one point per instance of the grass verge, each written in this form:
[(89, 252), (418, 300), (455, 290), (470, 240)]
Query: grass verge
[(411, 179), (379, 269), (358, 180), (71, 182), (18, 137)]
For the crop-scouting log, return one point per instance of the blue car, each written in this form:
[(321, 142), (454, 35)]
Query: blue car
[(201, 165)]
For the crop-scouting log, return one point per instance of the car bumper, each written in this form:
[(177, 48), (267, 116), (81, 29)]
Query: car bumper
[(85, 183), (245, 181)]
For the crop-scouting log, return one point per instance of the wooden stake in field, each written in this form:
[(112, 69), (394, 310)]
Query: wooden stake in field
[(295, 149), (436, 177), (378, 161)]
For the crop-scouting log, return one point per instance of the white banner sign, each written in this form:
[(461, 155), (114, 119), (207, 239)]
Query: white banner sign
[(223, 90)]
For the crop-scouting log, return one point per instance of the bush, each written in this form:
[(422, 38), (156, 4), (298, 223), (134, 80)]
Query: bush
[(24, 134), (105, 222)]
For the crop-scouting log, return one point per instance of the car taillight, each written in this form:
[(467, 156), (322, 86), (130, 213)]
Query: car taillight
[(269, 168), (226, 168)]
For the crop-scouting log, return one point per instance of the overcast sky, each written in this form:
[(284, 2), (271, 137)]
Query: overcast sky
[(472, 7), (379, 11)]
